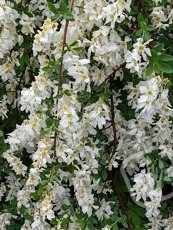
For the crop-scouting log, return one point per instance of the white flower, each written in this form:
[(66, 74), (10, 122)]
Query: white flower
[(152, 209), (34, 178), (69, 118), (5, 220), (137, 60), (141, 48), (159, 18), (27, 24), (2, 190), (170, 171), (104, 211), (144, 183), (97, 113), (3, 107)]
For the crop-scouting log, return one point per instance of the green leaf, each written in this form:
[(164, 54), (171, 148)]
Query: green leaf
[(97, 88), (124, 221), (67, 92), (170, 27), (49, 122), (135, 219), (40, 190), (22, 209), (54, 222), (115, 227), (140, 228), (154, 56), (84, 96), (140, 212), (115, 218), (167, 179), (130, 205), (115, 200), (81, 222), (71, 168), (90, 226), (78, 48), (140, 18), (156, 69), (159, 47), (150, 28), (64, 223), (165, 57), (44, 132), (163, 67), (103, 162), (104, 174), (149, 70), (52, 8), (146, 35), (56, 18), (58, 96), (143, 25), (74, 43), (48, 69), (130, 213), (63, 6), (57, 68), (93, 220), (134, 10), (22, 61), (13, 202), (138, 32), (69, 16), (28, 217), (161, 164), (26, 59)]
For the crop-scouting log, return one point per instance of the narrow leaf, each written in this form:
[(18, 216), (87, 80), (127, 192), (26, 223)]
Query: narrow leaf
[(69, 16), (165, 57), (63, 6), (143, 25), (150, 28), (149, 70), (104, 174), (52, 8), (163, 67)]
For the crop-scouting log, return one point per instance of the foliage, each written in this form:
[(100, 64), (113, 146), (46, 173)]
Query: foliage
[(86, 111)]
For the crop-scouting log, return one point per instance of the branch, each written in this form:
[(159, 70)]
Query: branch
[(145, 11), (121, 202), (115, 70), (114, 149), (61, 71)]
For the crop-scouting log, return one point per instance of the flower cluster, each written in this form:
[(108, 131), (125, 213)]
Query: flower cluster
[(86, 89)]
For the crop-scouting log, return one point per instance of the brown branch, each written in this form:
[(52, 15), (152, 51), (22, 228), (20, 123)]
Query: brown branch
[(60, 77), (145, 11), (115, 70), (61, 71), (115, 142), (115, 189)]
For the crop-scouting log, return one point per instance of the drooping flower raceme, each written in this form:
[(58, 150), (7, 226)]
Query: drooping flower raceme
[(86, 90)]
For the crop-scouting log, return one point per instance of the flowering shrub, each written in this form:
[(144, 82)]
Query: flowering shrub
[(86, 109)]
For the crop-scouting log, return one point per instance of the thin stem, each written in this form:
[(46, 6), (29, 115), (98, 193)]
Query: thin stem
[(145, 11), (115, 70), (61, 71), (114, 149), (115, 189)]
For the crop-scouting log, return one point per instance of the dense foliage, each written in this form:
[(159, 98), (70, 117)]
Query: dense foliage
[(86, 114)]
